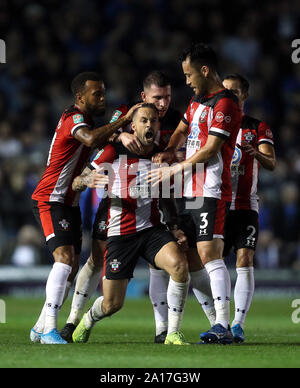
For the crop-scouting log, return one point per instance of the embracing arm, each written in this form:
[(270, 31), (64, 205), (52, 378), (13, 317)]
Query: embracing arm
[(98, 137)]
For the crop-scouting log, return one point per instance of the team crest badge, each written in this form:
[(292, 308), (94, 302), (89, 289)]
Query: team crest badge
[(203, 116), (115, 265), (102, 226), (64, 224), (249, 136)]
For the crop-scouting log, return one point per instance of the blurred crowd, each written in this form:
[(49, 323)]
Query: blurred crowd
[(48, 42)]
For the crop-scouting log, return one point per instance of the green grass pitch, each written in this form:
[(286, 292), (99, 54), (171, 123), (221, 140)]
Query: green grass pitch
[(125, 340)]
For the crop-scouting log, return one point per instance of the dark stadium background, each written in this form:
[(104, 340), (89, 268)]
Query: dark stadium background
[(48, 42)]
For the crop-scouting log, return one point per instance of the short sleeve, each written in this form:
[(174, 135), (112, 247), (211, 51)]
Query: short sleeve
[(226, 118), (265, 134), (105, 155)]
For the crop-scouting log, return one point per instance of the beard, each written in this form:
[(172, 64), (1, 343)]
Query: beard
[(95, 110)]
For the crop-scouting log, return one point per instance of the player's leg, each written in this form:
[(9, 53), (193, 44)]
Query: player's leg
[(243, 291), (114, 292), (210, 223), (171, 258), (89, 275), (86, 284), (245, 224), (57, 224), (200, 283), (158, 285)]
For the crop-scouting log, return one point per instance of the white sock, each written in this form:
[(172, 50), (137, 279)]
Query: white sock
[(158, 285), (176, 296), (55, 291), (94, 314), (243, 293), (200, 283), (40, 324), (221, 290), (86, 284)]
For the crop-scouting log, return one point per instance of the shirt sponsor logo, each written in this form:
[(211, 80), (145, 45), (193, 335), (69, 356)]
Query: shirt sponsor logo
[(237, 156), (269, 133), (219, 117)]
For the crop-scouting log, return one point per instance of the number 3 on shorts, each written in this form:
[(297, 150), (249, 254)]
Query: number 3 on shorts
[(204, 221)]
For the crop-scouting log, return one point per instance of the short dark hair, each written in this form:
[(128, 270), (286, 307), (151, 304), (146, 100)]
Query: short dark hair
[(78, 82), (157, 78), (146, 105), (201, 55), (244, 83)]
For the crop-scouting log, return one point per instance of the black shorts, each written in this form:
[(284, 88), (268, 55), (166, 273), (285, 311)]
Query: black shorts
[(241, 230), (204, 223), (60, 224), (123, 252), (100, 222)]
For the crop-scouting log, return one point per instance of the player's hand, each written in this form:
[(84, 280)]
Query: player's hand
[(159, 175), (248, 148), (129, 114), (167, 156), (181, 238), (131, 142), (97, 180)]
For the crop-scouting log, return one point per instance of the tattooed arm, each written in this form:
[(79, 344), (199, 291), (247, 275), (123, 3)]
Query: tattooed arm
[(89, 178)]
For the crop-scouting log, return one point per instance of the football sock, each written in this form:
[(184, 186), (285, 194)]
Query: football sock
[(243, 293), (94, 314), (221, 290), (55, 291), (86, 284), (200, 283), (176, 297), (40, 324), (158, 285)]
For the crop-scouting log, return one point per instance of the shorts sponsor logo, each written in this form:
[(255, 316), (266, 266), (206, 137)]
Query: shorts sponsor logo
[(219, 117), (65, 225), (77, 119), (115, 266), (227, 119)]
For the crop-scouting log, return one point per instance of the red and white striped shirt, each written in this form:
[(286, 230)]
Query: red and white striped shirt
[(216, 114), (67, 157), (130, 206), (244, 167)]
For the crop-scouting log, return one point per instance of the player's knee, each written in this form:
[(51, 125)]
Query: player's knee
[(65, 255), (179, 269), (245, 260)]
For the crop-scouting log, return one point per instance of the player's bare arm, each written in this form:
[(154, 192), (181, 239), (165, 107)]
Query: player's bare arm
[(176, 141), (265, 154), (89, 178), (98, 137), (207, 152)]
